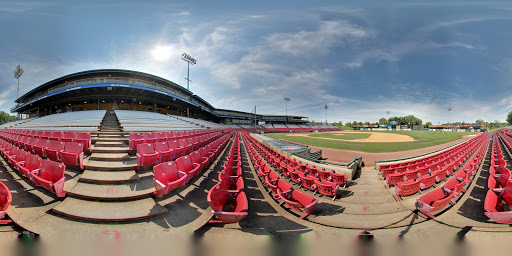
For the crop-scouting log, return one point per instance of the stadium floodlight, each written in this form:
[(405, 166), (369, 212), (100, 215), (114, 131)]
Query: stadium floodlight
[(286, 102), (189, 61), (449, 110), (18, 71), (326, 107)]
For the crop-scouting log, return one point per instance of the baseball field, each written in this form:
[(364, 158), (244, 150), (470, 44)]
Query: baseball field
[(373, 141)]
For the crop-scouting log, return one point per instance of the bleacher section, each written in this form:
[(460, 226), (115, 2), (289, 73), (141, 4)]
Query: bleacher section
[(69, 121), (137, 121), (281, 128)]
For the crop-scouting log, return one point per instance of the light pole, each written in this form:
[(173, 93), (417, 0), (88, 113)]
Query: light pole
[(326, 114), (449, 110), (286, 102), (189, 61), (18, 71)]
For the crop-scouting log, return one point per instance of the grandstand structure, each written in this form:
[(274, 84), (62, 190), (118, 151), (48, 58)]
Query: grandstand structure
[(119, 167)]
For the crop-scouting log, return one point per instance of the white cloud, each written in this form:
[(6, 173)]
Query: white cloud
[(317, 42)]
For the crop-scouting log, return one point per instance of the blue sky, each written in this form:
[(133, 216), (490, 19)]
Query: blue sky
[(362, 59)]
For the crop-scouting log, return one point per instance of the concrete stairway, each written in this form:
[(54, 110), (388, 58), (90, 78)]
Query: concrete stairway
[(110, 189)]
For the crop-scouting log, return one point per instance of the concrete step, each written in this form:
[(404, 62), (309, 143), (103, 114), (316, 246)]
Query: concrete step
[(372, 208), (110, 139), (108, 136), (109, 211), (114, 192), (110, 156), (98, 149), (112, 133), (111, 165), (109, 177), (381, 199), (109, 144)]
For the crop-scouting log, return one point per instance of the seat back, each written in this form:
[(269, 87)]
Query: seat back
[(145, 148), (21, 155), (56, 145), (68, 136), (184, 164), (51, 171), (242, 204), (195, 157), (217, 197), (83, 135), (340, 179), (166, 172), (73, 147), (5, 197), (32, 162), (42, 143), (161, 146), (326, 187), (491, 203), (135, 136)]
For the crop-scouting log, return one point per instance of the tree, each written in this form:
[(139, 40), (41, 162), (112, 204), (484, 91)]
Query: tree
[(383, 121), (354, 123), (348, 124), (428, 124), (509, 118), (5, 117), (367, 123)]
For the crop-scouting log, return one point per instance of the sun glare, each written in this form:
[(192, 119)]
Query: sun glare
[(162, 52)]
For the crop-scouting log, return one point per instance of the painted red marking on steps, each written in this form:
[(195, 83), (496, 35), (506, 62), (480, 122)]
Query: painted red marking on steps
[(117, 234), (366, 209), (366, 193), (366, 183), (110, 190)]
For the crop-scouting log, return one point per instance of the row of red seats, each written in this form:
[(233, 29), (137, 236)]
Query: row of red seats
[(439, 198), (34, 138), (44, 173), (322, 181), (149, 154), (499, 183), (293, 198), (416, 180), (171, 175), (448, 163), (449, 155), (70, 153), (5, 202), (227, 199), (184, 139)]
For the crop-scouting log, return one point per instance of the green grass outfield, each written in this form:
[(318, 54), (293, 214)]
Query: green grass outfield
[(422, 139)]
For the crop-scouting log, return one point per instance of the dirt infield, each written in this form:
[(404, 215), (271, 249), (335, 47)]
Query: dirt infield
[(374, 137), (345, 156)]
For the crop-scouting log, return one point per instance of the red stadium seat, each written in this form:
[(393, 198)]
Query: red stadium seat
[(85, 139), (21, 156), (175, 146), (73, 154), (299, 201), (198, 159), (56, 136), (340, 179), (271, 181), (68, 137), (134, 140), (51, 177), (53, 150), (149, 137), (185, 165), (427, 181), (5, 201), (32, 162), (40, 146), (493, 206), (225, 206), (407, 188), (168, 178), (166, 154), (146, 155), (327, 188), (187, 148), (434, 201)]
